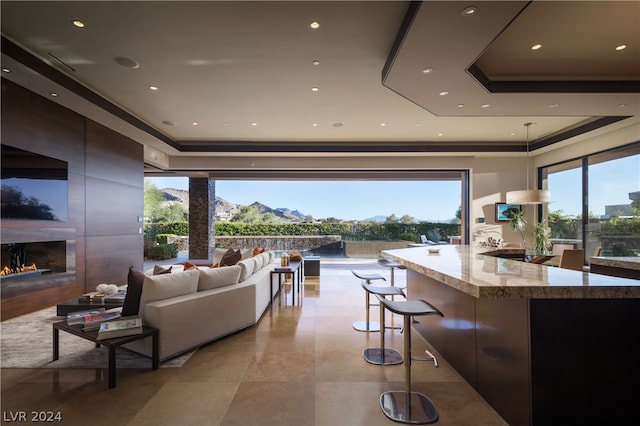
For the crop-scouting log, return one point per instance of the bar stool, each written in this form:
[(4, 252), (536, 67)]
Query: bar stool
[(392, 265), (407, 406), (382, 355), (366, 325)]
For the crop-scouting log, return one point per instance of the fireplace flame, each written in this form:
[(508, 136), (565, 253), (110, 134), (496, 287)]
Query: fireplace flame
[(24, 268)]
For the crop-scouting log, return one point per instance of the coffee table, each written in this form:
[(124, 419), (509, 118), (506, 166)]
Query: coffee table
[(76, 305), (111, 344)]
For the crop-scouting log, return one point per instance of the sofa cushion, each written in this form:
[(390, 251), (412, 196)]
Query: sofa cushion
[(218, 277), (266, 258), (247, 267), (159, 269), (230, 257), (131, 304), (165, 286), (259, 263)]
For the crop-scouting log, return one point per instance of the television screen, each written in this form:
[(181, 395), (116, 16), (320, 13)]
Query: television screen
[(503, 211), (34, 186)]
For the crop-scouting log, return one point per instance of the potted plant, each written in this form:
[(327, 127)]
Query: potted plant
[(542, 236), (518, 222)]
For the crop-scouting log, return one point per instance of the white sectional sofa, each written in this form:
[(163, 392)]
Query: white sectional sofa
[(196, 306)]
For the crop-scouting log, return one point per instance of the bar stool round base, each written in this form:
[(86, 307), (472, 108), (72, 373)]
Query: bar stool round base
[(366, 326), (379, 357), (412, 408)]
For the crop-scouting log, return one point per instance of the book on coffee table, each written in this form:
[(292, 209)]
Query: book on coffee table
[(78, 317), (125, 326)]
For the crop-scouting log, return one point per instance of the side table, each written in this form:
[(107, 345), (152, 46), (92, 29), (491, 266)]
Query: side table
[(111, 344)]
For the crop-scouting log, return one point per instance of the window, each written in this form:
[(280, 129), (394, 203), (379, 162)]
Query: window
[(596, 202)]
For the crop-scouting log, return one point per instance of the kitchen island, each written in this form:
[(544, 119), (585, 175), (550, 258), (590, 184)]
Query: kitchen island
[(542, 345)]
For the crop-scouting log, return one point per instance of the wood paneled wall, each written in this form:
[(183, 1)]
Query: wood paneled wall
[(106, 193)]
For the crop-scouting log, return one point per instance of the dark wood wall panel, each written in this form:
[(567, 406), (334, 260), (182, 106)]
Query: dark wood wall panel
[(110, 259), (112, 208), (106, 193), (114, 157), (34, 123)]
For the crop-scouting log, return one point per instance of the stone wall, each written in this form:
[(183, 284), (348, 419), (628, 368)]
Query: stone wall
[(328, 245), (371, 249)]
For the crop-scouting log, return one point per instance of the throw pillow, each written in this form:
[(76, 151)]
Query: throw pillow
[(257, 251), (158, 270), (218, 277), (189, 265), (230, 257), (135, 280)]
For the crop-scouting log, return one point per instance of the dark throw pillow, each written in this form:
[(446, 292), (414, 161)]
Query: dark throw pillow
[(158, 270), (230, 257), (131, 304)]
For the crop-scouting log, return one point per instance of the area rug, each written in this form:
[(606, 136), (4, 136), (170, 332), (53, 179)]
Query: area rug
[(27, 342)]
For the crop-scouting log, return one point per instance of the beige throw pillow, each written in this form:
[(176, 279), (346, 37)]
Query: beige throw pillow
[(247, 267)]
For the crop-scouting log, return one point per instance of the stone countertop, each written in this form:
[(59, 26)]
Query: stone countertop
[(470, 270), (617, 262)]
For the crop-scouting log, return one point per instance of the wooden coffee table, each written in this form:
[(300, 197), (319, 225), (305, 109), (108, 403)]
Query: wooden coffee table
[(111, 344)]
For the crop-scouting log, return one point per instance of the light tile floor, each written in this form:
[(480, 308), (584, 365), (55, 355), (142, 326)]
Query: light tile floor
[(301, 364)]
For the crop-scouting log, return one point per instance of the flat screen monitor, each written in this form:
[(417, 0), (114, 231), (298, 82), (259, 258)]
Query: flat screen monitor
[(34, 186)]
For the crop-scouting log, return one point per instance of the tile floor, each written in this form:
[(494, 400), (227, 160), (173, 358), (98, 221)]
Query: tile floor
[(301, 364)]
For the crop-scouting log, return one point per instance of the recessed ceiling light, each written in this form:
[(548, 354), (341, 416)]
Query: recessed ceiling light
[(485, 106), (622, 105), (153, 88), (621, 47), (536, 46), (443, 93), (338, 124), (553, 105), (418, 124), (254, 124), (512, 134), (460, 105), (195, 123), (383, 124), (316, 62), (469, 11), (315, 124), (314, 89), (225, 124), (126, 62), (440, 134), (54, 94), (7, 70), (169, 123), (427, 70), (78, 23), (314, 25)]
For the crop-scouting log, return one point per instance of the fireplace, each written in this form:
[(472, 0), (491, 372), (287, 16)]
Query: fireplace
[(29, 266)]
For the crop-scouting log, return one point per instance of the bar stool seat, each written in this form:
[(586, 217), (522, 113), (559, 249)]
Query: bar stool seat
[(382, 355), (407, 406), (366, 325), (392, 265)]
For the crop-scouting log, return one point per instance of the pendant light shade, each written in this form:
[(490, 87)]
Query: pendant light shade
[(528, 196)]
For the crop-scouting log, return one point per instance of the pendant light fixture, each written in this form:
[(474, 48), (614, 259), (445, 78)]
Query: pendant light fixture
[(528, 196)]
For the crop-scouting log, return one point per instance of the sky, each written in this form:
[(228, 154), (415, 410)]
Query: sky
[(347, 200), (610, 184)]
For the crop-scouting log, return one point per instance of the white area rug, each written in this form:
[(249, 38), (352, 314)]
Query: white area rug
[(27, 342)]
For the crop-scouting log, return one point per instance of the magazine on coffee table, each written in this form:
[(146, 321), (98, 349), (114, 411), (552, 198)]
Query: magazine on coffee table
[(126, 326)]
